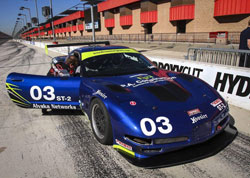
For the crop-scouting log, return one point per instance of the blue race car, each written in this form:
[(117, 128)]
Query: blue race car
[(141, 110)]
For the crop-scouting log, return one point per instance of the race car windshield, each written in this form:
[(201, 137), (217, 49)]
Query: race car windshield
[(115, 64)]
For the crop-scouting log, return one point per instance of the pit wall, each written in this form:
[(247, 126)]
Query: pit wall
[(233, 83)]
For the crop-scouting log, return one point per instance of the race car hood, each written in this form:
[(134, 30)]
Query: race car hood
[(157, 87)]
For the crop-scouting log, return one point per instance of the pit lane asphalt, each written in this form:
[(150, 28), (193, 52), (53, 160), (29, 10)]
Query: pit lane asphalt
[(34, 145)]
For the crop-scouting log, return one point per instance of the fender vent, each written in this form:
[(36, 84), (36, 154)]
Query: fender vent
[(117, 88), (189, 78)]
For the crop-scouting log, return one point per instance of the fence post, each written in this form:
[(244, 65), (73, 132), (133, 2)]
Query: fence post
[(245, 61), (193, 37), (68, 49), (188, 53), (160, 41)]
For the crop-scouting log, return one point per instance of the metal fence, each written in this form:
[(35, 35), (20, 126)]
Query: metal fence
[(201, 37), (220, 56)]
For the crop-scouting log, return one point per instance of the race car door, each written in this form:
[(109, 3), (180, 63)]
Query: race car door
[(43, 92)]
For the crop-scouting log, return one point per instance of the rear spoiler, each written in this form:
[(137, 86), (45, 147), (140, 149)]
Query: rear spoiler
[(74, 44)]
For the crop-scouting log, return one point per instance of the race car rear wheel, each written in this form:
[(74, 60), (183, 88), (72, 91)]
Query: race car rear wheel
[(100, 122)]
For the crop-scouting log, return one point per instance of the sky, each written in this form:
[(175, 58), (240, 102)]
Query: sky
[(10, 8)]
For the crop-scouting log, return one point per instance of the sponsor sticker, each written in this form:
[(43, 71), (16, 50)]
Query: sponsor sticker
[(147, 80), (137, 75), (193, 112), (132, 103), (147, 77), (219, 104), (198, 118), (100, 93), (53, 106), (123, 144), (216, 102)]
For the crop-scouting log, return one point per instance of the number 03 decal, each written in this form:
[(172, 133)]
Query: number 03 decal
[(36, 93), (151, 131)]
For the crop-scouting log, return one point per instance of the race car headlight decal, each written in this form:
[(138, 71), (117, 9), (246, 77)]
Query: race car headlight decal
[(170, 140), (124, 150), (142, 141)]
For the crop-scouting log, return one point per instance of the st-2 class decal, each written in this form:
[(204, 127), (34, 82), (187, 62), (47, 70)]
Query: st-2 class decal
[(16, 97), (166, 127)]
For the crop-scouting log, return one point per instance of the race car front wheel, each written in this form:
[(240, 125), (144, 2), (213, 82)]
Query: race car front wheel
[(100, 122)]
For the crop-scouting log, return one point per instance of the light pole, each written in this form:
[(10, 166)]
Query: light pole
[(19, 18), (23, 15), (22, 8), (92, 3), (39, 35), (37, 20), (17, 29), (23, 23), (92, 20), (14, 29), (52, 22)]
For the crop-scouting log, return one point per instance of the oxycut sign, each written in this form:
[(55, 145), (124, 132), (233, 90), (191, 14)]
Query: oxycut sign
[(233, 83)]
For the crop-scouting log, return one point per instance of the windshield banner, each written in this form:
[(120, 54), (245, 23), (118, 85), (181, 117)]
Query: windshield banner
[(89, 54)]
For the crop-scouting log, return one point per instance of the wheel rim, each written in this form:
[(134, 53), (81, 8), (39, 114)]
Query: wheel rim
[(98, 121)]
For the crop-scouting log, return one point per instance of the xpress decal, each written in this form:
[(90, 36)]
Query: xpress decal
[(198, 118)]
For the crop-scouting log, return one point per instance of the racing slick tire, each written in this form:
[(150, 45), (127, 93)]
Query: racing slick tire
[(100, 122), (44, 111)]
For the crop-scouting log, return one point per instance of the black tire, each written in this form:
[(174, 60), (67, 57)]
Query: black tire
[(44, 111), (100, 122)]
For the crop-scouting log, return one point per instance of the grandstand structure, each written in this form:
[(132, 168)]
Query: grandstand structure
[(218, 21)]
